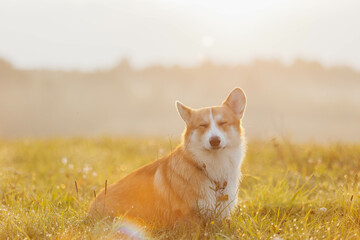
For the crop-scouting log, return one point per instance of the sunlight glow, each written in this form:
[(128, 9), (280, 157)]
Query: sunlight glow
[(172, 32), (207, 41)]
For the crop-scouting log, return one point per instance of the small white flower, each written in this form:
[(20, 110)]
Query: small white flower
[(94, 174), (86, 168), (71, 166), (64, 160), (323, 209)]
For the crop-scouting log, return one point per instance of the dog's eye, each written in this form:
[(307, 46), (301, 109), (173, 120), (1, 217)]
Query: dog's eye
[(204, 125), (222, 123)]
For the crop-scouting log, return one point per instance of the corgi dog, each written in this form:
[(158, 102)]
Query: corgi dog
[(200, 178)]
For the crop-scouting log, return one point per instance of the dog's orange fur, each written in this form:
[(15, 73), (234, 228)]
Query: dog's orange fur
[(168, 189)]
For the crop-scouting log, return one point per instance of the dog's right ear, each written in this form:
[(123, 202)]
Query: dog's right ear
[(184, 111), (236, 101)]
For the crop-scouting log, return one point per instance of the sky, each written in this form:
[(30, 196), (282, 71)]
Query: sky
[(93, 34)]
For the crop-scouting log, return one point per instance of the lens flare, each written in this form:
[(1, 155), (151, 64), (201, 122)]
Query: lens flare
[(127, 229)]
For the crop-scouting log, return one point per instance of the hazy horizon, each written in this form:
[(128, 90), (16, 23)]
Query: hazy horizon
[(87, 35), (304, 101)]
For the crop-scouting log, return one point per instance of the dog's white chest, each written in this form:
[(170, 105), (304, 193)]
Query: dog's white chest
[(218, 197), (219, 192)]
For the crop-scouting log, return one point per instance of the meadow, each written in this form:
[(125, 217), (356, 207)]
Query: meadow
[(289, 190)]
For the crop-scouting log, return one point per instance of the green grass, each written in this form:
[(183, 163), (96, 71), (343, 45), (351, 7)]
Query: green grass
[(289, 191)]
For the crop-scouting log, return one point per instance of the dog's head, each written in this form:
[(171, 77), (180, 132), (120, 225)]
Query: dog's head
[(214, 128)]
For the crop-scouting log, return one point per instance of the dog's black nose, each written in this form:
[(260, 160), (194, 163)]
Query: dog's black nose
[(214, 141)]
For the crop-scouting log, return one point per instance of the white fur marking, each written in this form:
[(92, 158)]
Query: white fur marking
[(214, 132)]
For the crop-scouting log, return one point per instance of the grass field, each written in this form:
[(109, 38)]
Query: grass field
[(289, 191)]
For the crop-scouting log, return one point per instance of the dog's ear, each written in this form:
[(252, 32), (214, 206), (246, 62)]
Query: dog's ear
[(184, 111), (236, 101)]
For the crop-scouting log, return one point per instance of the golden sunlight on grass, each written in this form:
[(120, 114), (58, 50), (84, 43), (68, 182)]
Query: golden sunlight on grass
[(290, 191)]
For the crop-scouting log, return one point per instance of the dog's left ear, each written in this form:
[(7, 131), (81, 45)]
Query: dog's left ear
[(236, 101)]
